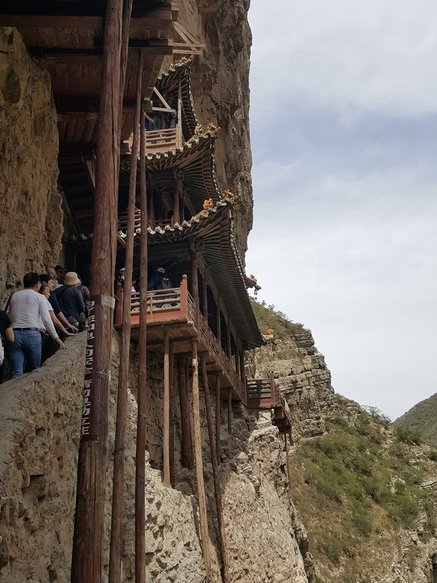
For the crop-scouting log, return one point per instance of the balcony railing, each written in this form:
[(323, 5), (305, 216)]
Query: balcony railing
[(262, 394), (163, 305), (214, 348), (163, 140), (176, 305)]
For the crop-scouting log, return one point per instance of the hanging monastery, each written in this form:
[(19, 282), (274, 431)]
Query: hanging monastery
[(139, 191)]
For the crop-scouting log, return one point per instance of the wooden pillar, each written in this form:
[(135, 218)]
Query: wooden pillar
[(228, 341), (219, 325), (243, 374), (123, 373), (187, 443), (176, 197), (287, 461), (205, 299), (92, 464), (172, 420), (237, 361), (140, 457), (166, 415), (195, 285), (230, 411), (179, 130), (204, 533), (215, 475), (217, 417)]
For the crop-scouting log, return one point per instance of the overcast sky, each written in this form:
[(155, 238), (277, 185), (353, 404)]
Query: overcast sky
[(344, 136)]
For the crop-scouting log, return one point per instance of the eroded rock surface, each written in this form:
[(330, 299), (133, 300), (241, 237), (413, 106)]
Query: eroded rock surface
[(30, 204)]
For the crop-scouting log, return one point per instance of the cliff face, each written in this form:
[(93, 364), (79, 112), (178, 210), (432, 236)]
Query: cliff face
[(220, 84), (303, 378), (30, 204)]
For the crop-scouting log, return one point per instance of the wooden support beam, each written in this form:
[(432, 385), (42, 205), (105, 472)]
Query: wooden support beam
[(205, 299), (140, 458), (172, 420), (228, 341), (123, 373), (187, 442), (216, 476), (166, 414), (204, 532), (243, 374), (92, 465), (217, 417), (287, 462), (195, 285), (230, 411)]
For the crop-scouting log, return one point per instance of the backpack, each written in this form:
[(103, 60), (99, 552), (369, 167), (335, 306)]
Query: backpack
[(165, 283)]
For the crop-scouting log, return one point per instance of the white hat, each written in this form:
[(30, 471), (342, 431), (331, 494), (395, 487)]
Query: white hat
[(71, 278), (160, 270)]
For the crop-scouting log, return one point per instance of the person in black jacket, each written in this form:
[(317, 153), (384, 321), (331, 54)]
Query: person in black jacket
[(71, 300)]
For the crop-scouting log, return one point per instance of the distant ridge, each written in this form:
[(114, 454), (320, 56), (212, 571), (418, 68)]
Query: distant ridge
[(422, 419)]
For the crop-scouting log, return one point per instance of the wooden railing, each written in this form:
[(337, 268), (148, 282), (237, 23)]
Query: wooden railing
[(122, 220), (162, 140), (177, 305), (262, 394), (163, 305), (215, 349)]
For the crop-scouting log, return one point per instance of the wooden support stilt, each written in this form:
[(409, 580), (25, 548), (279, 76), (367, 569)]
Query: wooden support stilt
[(204, 533), (172, 420), (230, 411), (195, 285), (216, 476), (123, 374), (140, 457), (205, 299), (287, 461), (243, 374), (187, 442), (166, 416), (217, 418), (92, 464)]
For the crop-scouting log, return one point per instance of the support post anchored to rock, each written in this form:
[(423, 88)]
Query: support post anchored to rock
[(203, 516), (287, 461), (92, 465), (187, 442), (114, 575), (166, 412), (216, 476), (140, 456)]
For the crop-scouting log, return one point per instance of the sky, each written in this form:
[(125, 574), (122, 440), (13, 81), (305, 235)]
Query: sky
[(344, 139)]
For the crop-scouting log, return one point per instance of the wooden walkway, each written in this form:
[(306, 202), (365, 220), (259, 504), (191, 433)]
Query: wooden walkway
[(263, 394)]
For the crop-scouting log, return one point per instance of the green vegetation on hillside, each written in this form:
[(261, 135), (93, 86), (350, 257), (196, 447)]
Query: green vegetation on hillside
[(421, 421), (269, 318), (354, 484)]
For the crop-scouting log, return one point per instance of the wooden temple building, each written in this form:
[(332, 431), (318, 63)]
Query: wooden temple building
[(142, 200)]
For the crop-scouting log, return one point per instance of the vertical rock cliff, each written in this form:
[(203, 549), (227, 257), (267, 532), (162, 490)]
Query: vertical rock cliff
[(30, 204)]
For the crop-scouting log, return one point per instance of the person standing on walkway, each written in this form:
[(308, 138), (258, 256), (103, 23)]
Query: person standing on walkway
[(27, 310), (71, 300)]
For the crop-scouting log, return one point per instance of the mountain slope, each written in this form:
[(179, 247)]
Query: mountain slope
[(422, 420)]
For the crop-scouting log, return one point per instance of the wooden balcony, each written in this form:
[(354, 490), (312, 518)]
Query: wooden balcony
[(175, 310), (163, 140), (263, 394)]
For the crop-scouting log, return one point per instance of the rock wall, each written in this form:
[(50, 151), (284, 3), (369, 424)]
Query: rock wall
[(220, 83), (303, 378), (30, 204), (40, 421)]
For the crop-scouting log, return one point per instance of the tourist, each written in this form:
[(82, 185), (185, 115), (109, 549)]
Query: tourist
[(49, 347), (6, 337), (71, 300), (60, 274), (28, 311), (159, 280), (50, 281)]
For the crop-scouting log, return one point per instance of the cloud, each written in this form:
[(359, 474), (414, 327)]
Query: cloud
[(353, 56)]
